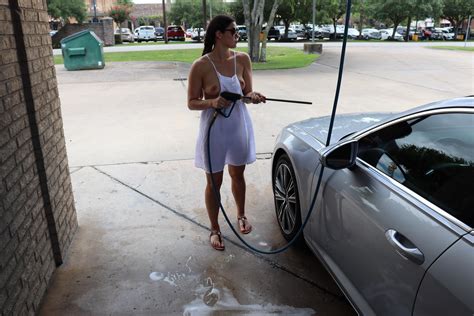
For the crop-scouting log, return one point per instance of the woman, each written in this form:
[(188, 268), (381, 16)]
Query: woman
[(232, 139)]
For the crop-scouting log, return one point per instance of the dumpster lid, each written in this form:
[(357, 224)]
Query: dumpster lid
[(79, 34)]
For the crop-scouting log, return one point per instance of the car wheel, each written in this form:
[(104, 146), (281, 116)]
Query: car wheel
[(285, 193)]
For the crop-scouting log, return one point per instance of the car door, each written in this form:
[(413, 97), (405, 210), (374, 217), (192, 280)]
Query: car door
[(448, 287), (380, 225)]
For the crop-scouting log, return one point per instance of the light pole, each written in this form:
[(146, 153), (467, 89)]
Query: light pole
[(94, 5), (165, 32), (210, 9), (314, 17)]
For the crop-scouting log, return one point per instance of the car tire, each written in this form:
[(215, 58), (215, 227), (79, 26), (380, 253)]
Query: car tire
[(286, 198)]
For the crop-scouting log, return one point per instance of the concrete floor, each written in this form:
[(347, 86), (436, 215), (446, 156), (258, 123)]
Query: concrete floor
[(142, 243)]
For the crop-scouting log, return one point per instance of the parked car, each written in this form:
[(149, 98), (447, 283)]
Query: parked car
[(441, 34), (317, 32), (352, 33), (126, 35), (188, 33), (299, 29), (387, 34), (369, 34), (242, 29), (273, 33), (145, 33), (198, 34), (160, 33), (291, 35), (394, 218), (176, 32)]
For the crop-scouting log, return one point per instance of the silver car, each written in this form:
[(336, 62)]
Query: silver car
[(393, 220)]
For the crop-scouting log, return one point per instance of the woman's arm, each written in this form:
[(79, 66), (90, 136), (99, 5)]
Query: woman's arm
[(195, 90), (256, 97)]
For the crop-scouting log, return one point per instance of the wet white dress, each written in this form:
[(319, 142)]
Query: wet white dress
[(232, 138)]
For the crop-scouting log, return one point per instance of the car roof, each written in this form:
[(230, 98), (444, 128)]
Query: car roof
[(467, 101)]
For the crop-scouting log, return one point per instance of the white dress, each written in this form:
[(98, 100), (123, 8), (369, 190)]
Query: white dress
[(232, 138)]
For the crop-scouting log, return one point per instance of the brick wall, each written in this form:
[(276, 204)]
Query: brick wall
[(37, 214), (104, 30)]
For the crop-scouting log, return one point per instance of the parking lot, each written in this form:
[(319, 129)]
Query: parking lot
[(142, 245)]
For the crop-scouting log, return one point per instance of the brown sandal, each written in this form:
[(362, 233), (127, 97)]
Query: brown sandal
[(244, 224), (218, 234)]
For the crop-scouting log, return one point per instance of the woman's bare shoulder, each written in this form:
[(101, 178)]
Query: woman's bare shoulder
[(243, 58), (200, 63)]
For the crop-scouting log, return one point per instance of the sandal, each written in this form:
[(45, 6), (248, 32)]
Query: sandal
[(218, 234), (244, 224)]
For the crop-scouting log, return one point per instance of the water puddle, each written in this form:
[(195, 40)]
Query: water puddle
[(212, 300)]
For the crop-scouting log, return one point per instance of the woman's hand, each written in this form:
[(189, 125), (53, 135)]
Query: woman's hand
[(256, 97), (220, 103)]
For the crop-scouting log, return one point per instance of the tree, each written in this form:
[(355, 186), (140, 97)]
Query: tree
[(66, 9), (187, 12), (393, 10), (422, 9), (120, 13), (456, 11), (333, 10), (254, 19)]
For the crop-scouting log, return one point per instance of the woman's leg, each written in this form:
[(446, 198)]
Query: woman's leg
[(238, 190), (212, 205)]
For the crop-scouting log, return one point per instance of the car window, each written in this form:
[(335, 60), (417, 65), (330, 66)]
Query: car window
[(432, 155)]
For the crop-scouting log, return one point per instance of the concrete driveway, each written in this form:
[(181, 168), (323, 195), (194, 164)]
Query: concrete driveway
[(142, 243)]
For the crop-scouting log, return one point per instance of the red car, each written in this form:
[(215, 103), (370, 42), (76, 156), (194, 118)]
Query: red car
[(176, 32)]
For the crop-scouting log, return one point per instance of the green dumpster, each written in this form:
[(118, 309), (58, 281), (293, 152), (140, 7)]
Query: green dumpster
[(83, 50)]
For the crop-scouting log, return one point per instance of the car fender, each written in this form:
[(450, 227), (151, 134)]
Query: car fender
[(302, 150)]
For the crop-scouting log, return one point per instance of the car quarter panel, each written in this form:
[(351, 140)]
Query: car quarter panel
[(448, 287)]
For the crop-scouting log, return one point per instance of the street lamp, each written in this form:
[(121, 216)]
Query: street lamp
[(94, 6)]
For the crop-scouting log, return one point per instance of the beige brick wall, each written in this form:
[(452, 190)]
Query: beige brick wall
[(37, 214)]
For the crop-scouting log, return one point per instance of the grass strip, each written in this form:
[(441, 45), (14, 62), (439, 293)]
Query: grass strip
[(277, 57), (461, 48)]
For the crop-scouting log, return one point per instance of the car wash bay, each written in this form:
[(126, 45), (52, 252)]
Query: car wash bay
[(142, 243)]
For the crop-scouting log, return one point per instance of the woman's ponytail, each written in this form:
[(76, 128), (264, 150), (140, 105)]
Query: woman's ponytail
[(218, 23), (209, 42)]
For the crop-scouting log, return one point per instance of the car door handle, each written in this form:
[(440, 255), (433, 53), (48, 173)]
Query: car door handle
[(404, 247)]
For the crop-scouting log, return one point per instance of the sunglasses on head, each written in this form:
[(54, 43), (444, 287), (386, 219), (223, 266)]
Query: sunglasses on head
[(232, 31)]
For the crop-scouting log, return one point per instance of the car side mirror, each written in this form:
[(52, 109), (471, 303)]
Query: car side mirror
[(340, 155)]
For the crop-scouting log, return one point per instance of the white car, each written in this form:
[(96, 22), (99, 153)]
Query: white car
[(126, 34), (371, 34), (291, 33), (386, 34), (145, 33), (197, 34)]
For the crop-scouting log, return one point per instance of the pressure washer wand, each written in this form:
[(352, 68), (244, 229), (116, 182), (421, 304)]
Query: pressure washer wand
[(234, 97)]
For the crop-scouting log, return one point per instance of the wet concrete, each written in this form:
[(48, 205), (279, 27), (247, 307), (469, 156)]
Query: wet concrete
[(142, 248), (142, 244)]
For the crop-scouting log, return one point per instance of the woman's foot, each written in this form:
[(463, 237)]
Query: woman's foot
[(215, 239), (244, 224)]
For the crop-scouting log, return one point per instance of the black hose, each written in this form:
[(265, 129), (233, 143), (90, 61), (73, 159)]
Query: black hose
[(331, 123)]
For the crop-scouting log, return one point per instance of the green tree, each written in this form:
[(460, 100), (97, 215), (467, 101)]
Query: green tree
[(394, 11), (422, 9), (456, 11), (332, 10), (66, 9), (120, 13), (254, 20), (187, 12)]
